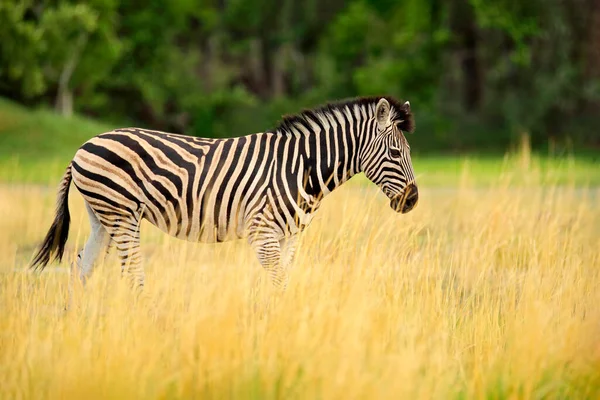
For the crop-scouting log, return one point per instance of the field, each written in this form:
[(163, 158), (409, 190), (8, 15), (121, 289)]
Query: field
[(488, 289), (478, 293)]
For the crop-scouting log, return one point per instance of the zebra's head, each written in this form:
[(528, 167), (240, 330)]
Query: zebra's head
[(386, 160)]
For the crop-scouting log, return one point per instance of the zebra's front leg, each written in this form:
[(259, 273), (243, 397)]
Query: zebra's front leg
[(268, 252), (288, 250)]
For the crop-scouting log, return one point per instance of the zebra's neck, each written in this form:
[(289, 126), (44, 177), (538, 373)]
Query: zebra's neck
[(328, 143)]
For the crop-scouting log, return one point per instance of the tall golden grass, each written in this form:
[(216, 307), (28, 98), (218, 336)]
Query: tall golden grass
[(477, 293)]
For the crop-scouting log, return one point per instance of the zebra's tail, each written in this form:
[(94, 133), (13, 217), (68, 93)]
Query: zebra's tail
[(54, 243)]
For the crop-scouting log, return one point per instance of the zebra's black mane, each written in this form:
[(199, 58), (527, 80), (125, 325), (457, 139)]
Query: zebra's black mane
[(399, 112)]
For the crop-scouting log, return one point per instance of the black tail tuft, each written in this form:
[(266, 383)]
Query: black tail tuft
[(56, 238)]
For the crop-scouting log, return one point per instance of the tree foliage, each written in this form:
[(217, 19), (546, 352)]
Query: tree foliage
[(478, 73)]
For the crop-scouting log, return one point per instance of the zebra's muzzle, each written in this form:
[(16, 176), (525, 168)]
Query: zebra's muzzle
[(407, 200)]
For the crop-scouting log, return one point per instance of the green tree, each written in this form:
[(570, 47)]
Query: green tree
[(58, 46)]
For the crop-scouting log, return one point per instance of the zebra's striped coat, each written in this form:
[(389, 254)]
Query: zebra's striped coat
[(264, 186)]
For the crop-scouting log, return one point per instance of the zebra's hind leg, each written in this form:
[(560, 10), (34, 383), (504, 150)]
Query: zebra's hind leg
[(96, 244)]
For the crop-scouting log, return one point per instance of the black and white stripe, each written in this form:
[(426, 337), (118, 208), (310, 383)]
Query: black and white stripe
[(264, 187)]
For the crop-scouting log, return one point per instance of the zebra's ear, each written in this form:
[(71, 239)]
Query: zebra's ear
[(382, 112), (406, 107)]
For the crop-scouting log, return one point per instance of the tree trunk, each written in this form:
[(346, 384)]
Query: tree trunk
[(255, 65), (64, 101), (278, 74), (267, 62), (593, 48), (470, 67), (465, 28), (211, 61), (64, 97), (592, 64)]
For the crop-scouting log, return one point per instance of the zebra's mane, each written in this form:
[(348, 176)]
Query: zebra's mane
[(399, 113)]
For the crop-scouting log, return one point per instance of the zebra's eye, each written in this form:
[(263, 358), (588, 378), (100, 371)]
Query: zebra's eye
[(395, 153)]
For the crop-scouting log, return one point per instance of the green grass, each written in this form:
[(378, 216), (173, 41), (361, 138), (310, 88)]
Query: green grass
[(521, 168), (36, 146)]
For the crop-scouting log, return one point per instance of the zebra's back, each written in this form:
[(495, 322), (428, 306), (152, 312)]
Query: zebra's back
[(192, 188)]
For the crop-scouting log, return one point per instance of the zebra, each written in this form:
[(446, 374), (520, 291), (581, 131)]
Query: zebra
[(264, 187)]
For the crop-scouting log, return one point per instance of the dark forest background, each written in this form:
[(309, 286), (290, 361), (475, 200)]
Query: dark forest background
[(479, 74)]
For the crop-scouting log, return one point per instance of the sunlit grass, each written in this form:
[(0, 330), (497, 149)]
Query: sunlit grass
[(477, 293)]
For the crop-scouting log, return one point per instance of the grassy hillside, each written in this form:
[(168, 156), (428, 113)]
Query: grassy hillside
[(36, 145)]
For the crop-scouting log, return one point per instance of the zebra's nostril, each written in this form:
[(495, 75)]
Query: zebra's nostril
[(405, 201), (411, 198)]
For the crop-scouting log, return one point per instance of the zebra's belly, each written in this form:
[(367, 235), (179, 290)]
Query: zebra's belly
[(204, 229)]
